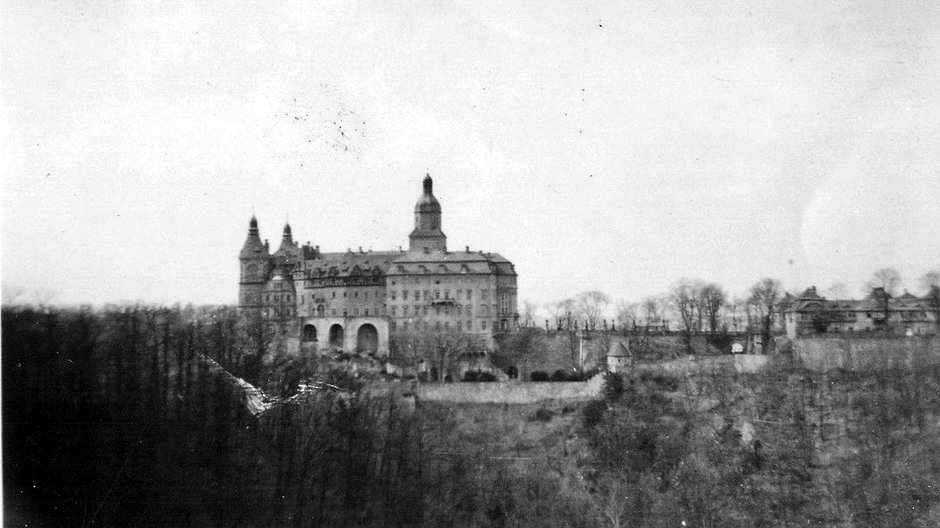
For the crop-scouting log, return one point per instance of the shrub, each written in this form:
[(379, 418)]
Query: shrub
[(538, 375), (613, 386), (560, 375), (543, 415), (594, 413), (478, 375)]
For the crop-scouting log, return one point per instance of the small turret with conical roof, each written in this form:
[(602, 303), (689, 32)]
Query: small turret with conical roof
[(253, 262), (427, 234)]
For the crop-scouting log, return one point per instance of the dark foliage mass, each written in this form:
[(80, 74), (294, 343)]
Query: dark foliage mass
[(788, 447), (117, 417), (113, 418)]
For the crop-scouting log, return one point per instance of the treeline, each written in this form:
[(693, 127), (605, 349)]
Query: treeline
[(694, 307), (112, 417)]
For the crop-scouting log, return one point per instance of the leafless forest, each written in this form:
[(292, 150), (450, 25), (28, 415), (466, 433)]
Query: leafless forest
[(112, 418)]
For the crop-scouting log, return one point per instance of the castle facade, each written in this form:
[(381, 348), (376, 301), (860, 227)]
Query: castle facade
[(355, 300)]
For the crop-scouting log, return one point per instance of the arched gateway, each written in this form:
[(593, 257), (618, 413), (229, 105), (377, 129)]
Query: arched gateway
[(367, 339), (336, 336)]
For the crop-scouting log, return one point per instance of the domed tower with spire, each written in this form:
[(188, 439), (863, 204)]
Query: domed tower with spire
[(427, 234), (287, 256), (253, 259)]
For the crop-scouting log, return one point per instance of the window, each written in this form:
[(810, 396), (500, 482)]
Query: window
[(406, 325), (437, 310), (333, 295), (391, 326), (427, 295), (425, 309), (504, 304), (394, 311), (367, 312), (404, 311), (333, 311), (355, 311), (447, 294), (484, 310), (447, 310), (393, 294), (404, 295), (483, 325), (356, 295), (469, 295), (417, 294), (484, 294), (446, 325), (469, 310), (437, 294), (459, 326), (459, 294)]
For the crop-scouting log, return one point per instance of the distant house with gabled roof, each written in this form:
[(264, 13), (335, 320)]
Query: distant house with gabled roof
[(812, 314)]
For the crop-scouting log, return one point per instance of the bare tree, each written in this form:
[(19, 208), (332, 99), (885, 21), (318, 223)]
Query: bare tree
[(713, 299), (563, 313), (528, 314), (737, 308), (929, 280), (933, 304), (685, 300), (887, 278), (654, 310), (763, 298), (628, 314), (591, 305)]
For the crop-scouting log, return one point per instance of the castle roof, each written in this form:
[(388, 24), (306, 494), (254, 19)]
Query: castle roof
[(415, 262), (874, 301)]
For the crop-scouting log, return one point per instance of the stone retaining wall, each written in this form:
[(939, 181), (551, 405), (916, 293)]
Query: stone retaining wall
[(868, 353)]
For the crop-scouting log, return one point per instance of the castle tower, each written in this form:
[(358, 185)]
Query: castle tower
[(253, 261), (427, 235)]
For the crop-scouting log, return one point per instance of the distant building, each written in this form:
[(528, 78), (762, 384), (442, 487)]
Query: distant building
[(354, 300), (907, 314)]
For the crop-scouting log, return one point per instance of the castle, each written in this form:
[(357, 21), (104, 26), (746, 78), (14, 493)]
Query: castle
[(354, 300)]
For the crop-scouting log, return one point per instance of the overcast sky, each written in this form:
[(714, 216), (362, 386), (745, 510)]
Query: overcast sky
[(615, 146)]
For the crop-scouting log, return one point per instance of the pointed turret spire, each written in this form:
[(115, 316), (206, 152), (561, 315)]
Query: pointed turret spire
[(427, 234), (253, 246), (428, 184)]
